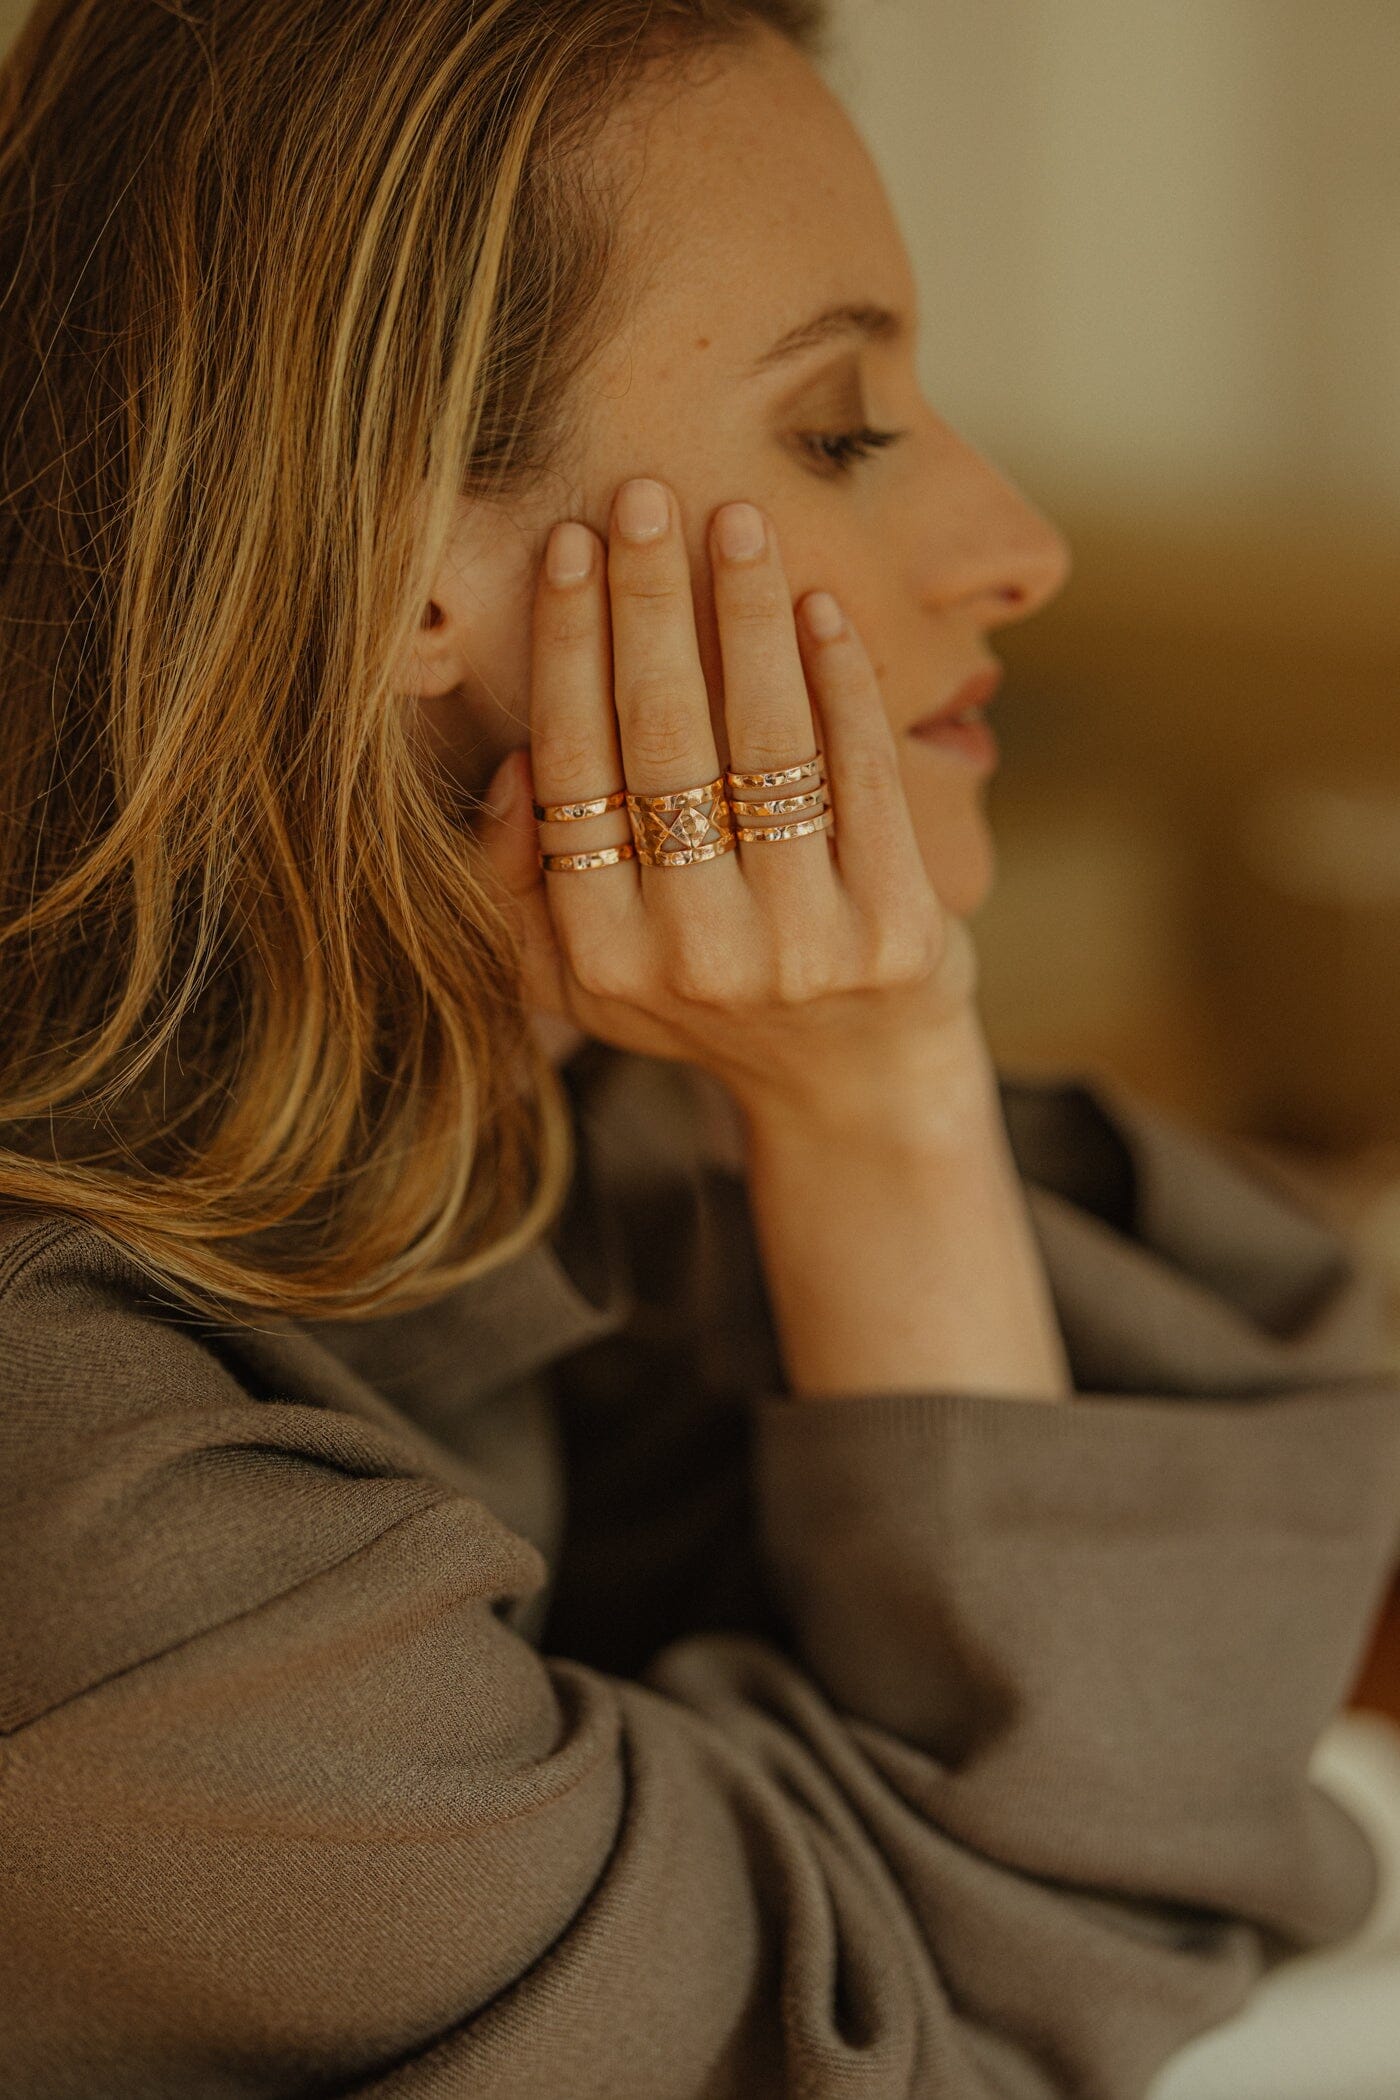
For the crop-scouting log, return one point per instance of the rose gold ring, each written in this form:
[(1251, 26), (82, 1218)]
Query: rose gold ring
[(577, 863), (678, 829), (772, 780), (785, 805), (575, 812), (774, 834)]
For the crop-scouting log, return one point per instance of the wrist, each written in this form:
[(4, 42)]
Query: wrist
[(929, 1095)]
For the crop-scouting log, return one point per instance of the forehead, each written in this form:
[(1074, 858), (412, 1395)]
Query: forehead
[(751, 202)]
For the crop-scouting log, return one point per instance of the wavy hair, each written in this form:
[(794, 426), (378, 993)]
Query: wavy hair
[(281, 279)]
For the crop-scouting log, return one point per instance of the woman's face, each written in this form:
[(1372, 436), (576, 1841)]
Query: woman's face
[(752, 209)]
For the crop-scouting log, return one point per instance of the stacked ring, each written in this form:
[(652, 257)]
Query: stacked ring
[(694, 824), (812, 798), (574, 813)]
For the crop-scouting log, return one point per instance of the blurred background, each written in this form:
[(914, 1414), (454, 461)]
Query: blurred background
[(1158, 243), (1159, 249)]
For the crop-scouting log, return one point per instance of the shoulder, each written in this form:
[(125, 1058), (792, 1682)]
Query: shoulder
[(150, 1490), (81, 1323)]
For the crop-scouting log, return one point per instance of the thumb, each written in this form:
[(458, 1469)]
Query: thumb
[(505, 783), (509, 832), (510, 840)]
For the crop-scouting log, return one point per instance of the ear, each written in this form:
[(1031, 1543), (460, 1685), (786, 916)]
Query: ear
[(434, 661), (478, 598), (437, 658)]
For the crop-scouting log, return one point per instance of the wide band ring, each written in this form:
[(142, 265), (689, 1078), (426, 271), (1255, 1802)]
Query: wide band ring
[(579, 863), (691, 856), (783, 778), (575, 812), (679, 829)]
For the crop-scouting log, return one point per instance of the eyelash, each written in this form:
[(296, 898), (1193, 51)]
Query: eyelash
[(840, 451)]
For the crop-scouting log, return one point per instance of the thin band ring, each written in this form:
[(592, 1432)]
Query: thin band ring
[(785, 805), (574, 812), (783, 778), (577, 863), (776, 833)]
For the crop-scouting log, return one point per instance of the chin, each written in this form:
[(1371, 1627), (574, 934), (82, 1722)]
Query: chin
[(960, 860)]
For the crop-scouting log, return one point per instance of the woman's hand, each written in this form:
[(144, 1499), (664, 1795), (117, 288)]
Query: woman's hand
[(795, 973)]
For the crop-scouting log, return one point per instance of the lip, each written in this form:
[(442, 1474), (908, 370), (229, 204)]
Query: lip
[(978, 691)]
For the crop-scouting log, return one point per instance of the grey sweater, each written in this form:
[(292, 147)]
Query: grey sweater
[(526, 1699)]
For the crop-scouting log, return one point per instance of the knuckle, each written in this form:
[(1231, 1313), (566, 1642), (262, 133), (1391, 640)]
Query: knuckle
[(566, 757), (710, 968), (768, 745), (798, 979), (699, 976), (755, 606), (652, 586), (901, 957), (657, 737), (567, 623), (597, 972), (871, 770)]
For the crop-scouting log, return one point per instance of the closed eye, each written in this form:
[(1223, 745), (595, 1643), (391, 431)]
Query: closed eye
[(839, 451)]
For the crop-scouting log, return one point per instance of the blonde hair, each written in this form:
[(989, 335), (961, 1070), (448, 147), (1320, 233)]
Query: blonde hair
[(283, 277)]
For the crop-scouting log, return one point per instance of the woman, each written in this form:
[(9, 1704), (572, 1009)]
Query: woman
[(592, 1507)]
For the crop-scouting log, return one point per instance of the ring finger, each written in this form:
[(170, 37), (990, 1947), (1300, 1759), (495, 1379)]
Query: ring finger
[(768, 711), (574, 753)]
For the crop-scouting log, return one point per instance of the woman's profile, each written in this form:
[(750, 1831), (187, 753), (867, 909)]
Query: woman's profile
[(592, 1503)]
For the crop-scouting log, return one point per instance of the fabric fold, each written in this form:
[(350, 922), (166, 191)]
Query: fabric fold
[(955, 1746)]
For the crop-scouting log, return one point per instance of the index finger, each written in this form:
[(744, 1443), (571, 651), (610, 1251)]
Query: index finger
[(575, 754)]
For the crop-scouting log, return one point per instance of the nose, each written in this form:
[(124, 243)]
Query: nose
[(990, 552)]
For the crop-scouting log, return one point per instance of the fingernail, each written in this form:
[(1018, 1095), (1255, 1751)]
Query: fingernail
[(569, 555), (642, 510), (823, 616), (740, 531)]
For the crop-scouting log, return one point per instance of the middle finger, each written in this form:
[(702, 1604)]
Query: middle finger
[(663, 708)]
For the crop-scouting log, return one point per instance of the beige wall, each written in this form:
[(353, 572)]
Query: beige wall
[(1159, 240)]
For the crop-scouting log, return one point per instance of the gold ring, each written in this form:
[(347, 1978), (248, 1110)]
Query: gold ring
[(574, 812), (692, 855), (674, 830), (785, 805), (772, 780), (576, 863), (752, 836)]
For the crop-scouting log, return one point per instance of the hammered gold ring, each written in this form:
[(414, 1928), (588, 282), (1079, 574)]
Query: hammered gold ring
[(783, 778), (575, 812), (686, 826), (752, 835), (577, 863), (785, 805)]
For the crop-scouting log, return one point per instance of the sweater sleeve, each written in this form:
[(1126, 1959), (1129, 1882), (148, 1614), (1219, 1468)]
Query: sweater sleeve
[(291, 1808)]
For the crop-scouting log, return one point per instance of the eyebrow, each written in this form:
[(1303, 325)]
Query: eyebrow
[(865, 323)]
